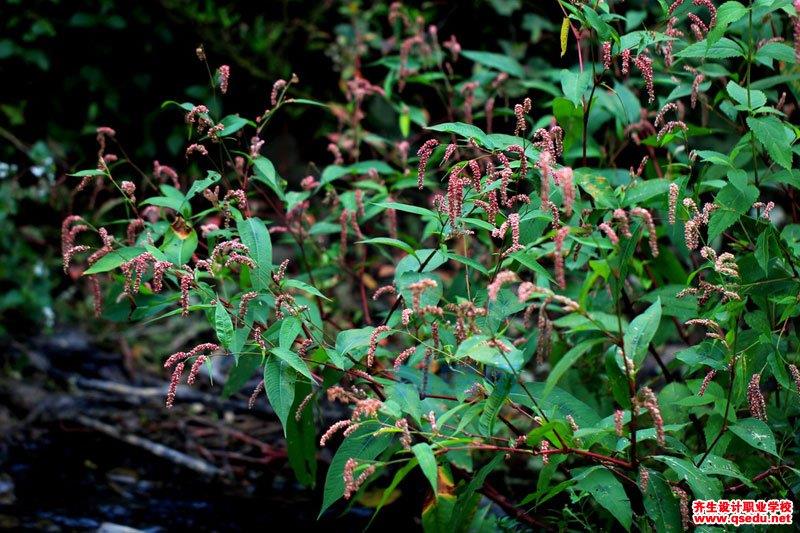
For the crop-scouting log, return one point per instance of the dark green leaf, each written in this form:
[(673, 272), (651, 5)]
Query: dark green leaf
[(494, 403), (255, 236), (301, 439), (499, 62), (178, 248), (641, 331), (240, 374), (465, 131), (279, 381), (113, 259), (566, 361), (661, 505), (427, 463), (703, 487), (233, 123), (292, 359), (223, 325), (776, 138), (264, 171), (362, 444), (609, 493), (755, 433)]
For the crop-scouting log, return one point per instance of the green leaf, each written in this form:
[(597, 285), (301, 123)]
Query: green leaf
[(407, 208), (349, 341), (177, 248), (334, 172), (361, 444), (494, 403), (233, 123), (499, 62), (559, 402), (723, 49), (713, 157), (438, 515), (755, 433), (200, 185), (240, 374), (641, 331), (574, 84), (432, 259), (609, 493), (661, 505), (775, 51), (703, 487), (406, 396), (293, 360), (240, 336), (301, 439), (528, 261), (427, 463), (716, 465), (739, 93), (595, 21), (223, 325), (773, 134), (305, 101), (255, 236), (389, 242), (176, 204), (625, 104), (733, 200), (566, 361), (617, 379), (644, 190), (465, 131), (404, 122), (264, 172), (279, 380), (762, 251), (727, 14), (290, 329), (477, 348), (113, 259), (90, 172), (720, 221), (172, 198), (186, 106), (469, 498), (303, 286), (597, 187), (387, 492), (471, 263)]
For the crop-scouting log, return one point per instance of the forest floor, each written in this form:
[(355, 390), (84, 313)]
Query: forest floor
[(86, 445)]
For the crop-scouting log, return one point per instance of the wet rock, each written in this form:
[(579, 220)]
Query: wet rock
[(7, 494), (108, 527)]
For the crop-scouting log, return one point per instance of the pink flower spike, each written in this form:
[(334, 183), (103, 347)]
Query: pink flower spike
[(224, 73), (424, 154), (607, 55)]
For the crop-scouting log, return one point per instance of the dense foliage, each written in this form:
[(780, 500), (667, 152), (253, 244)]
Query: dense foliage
[(571, 290)]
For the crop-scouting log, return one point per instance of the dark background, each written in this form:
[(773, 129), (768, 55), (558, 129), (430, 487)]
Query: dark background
[(71, 66)]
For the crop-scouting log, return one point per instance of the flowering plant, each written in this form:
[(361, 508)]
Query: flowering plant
[(512, 300)]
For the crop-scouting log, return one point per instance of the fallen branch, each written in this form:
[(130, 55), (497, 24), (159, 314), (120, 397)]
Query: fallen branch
[(159, 450), (493, 494), (156, 394)]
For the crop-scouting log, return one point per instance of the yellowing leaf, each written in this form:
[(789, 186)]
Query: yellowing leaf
[(564, 35), (374, 498)]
